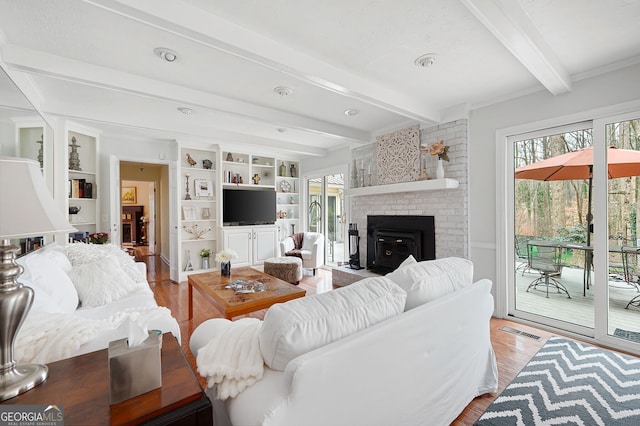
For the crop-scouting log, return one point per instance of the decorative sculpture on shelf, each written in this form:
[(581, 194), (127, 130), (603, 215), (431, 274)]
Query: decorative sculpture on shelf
[(189, 265), (206, 164), (190, 160), (195, 231), (292, 170), (187, 196), (74, 158), (256, 179), (40, 151)]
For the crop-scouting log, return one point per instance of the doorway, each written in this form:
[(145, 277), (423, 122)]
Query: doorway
[(326, 214), (144, 206), (583, 227)]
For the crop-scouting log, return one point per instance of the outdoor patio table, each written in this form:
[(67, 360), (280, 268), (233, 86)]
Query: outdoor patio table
[(625, 251)]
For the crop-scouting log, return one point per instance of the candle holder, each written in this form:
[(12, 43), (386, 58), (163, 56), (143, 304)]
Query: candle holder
[(362, 177), (187, 196)]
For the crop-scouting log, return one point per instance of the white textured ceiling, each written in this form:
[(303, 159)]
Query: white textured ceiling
[(94, 61)]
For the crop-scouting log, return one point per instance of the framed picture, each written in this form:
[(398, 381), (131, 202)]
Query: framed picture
[(129, 195), (189, 213), (203, 188)]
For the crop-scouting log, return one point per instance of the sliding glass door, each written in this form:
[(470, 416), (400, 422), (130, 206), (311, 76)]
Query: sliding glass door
[(326, 214), (622, 145), (575, 205), (552, 268)]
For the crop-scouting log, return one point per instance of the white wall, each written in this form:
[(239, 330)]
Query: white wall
[(540, 109), (311, 165)]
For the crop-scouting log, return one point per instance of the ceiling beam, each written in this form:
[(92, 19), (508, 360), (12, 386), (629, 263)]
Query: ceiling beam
[(48, 65), (183, 19), (513, 28)]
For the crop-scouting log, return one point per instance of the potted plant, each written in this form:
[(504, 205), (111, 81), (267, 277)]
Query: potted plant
[(99, 238), (204, 254)]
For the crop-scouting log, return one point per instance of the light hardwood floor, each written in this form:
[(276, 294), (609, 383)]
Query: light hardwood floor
[(512, 351)]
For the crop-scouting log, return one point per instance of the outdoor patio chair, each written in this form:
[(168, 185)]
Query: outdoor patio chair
[(546, 260), (632, 273), (521, 253)]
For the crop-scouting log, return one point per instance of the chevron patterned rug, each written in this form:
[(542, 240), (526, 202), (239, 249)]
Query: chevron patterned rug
[(568, 382)]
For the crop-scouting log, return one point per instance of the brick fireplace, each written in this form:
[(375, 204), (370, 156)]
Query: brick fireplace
[(449, 207)]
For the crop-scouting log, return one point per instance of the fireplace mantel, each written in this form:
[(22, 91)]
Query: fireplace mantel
[(421, 185)]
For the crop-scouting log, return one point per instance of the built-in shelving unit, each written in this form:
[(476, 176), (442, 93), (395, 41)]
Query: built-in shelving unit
[(198, 210), (33, 141), (83, 179), (421, 185), (247, 171), (287, 197)]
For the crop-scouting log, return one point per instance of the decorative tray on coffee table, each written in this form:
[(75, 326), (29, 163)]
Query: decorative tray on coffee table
[(247, 286)]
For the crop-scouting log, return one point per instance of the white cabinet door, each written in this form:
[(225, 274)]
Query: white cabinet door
[(264, 244), (239, 241)]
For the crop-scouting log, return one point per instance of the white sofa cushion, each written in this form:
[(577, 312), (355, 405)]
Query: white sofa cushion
[(79, 253), (427, 280), (53, 290), (299, 326), (101, 281)]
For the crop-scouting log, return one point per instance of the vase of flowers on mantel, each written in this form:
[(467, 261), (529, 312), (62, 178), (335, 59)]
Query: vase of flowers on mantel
[(442, 151), (225, 257)]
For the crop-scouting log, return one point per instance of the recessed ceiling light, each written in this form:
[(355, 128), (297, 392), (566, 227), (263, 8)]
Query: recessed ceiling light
[(283, 90), (166, 54), (351, 112), (185, 110), (425, 60), (281, 130)]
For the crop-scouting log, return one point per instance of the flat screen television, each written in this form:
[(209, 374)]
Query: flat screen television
[(248, 207)]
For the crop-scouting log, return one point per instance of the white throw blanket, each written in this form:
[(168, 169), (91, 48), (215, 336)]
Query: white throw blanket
[(46, 337), (232, 359)]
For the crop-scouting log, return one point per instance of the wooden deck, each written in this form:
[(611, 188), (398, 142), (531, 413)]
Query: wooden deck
[(579, 309)]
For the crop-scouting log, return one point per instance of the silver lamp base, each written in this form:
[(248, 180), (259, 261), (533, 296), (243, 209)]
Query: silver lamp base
[(15, 302), (20, 379)]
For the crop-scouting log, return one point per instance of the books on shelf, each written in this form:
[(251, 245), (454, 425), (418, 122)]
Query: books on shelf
[(80, 188)]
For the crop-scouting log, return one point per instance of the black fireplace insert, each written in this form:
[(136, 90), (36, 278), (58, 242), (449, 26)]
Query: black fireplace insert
[(391, 239)]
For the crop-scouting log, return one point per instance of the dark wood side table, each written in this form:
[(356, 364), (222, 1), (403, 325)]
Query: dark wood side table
[(81, 386)]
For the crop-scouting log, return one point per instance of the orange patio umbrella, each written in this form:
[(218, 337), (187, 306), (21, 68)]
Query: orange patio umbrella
[(577, 165)]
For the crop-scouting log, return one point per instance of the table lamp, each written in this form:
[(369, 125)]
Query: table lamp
[(28, 210)]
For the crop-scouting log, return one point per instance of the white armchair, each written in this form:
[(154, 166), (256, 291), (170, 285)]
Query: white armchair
[(309, 246)]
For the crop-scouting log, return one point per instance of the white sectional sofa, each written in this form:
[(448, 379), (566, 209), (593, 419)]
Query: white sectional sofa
[(85, 296), (406, 349)]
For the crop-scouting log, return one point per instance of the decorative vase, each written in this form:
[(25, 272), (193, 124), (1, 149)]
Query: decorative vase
[(225, 269), (440, 169), (205, 262)]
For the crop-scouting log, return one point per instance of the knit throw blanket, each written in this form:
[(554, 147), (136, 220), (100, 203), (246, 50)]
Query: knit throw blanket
[(232, 358), (46, 337), (297, 245)]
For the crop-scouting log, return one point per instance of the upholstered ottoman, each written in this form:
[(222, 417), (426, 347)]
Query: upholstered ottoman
[(288, 268)]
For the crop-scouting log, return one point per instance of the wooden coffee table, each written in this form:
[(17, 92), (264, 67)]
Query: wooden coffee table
[(212, 286)]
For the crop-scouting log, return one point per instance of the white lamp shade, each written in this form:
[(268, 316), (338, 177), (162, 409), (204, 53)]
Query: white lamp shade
[(26, 206)]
